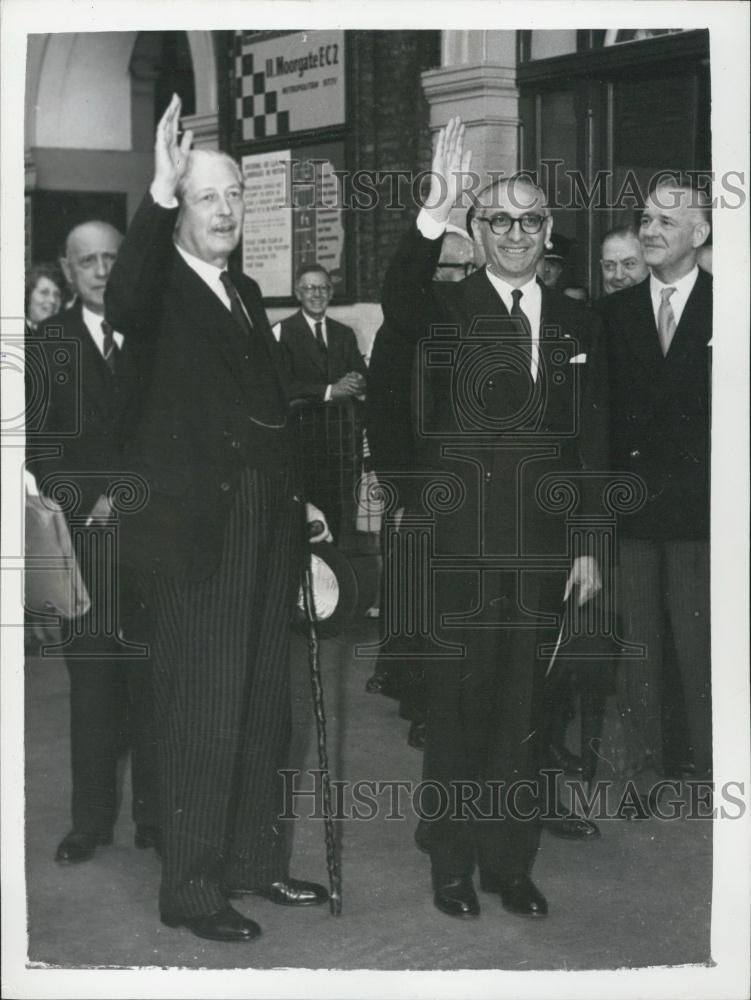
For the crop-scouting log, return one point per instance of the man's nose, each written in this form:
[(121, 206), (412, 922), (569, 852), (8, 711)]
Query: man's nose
[(103, 266), (619, 270), (223, 206)]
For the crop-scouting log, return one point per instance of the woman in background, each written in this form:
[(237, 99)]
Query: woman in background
[(44, 293)]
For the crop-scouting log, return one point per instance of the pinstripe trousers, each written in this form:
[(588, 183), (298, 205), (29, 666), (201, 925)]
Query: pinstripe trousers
[(221, 677), (663, 593)]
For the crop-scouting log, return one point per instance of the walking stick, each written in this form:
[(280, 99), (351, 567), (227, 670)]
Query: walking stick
[(332, 862)]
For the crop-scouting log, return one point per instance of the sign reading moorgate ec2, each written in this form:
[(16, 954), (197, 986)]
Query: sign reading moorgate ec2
[(288, 83)]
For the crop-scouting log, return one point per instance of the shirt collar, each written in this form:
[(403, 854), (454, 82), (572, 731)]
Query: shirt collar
[(529, 291), (312, 322), (683, 285), (92, 320), (209, 272)]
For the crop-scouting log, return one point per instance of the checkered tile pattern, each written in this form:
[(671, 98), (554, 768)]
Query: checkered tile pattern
[(255, 106)]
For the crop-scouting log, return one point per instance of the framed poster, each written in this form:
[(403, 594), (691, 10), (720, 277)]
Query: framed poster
[(293, 216)]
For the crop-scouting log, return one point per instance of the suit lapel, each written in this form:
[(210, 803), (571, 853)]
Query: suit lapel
[(96, 378), (210, 317), (307, 341), (642, 336), (695, 326)]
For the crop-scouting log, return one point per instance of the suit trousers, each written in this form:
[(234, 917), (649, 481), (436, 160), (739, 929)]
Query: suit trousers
[(664, 591), (221, 675), (111, 697), (484, 716)]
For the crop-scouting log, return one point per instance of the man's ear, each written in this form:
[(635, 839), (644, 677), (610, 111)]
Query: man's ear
[(66, 269), (700, 235), (548, 228)]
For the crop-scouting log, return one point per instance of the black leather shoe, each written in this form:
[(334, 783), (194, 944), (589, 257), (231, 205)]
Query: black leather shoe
[(224, 925), (148, 836), (519, 895), (416, 735), (572, 828), (286, 892), (455, 896), (77, 846)]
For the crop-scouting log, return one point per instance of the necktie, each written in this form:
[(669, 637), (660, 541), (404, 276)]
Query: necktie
[(109, 347), (518, 313), (319, 336), (236, 306), (665, 320)]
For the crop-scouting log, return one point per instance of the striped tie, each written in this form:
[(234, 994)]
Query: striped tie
[(109, 347)]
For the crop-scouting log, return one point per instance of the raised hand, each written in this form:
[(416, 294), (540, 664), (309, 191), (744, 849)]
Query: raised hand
[(450, 162), (170, 157)]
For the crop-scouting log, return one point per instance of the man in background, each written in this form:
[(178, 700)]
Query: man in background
[(325, 361), (110, 695), (621, 259), (658, 334), (324, 366)]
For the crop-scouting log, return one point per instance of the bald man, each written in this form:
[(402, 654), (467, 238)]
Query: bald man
[(503, 389), (109, 689)]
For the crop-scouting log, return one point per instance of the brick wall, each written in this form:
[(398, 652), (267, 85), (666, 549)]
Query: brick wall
[(387, 130)]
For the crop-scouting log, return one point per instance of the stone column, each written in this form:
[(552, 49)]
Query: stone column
[(477, 80), (205, 122)]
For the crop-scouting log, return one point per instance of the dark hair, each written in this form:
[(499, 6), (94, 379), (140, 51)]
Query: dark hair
[(311, 269), (44, 269)]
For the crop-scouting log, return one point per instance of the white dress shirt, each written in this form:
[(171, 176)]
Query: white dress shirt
[(683, 288), (208, 273), (531, 300), (93, 323)]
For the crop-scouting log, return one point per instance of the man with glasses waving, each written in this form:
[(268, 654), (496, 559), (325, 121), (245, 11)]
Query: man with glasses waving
[(501, 358)]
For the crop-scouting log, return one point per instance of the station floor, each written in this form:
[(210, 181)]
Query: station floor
[(639, 896)]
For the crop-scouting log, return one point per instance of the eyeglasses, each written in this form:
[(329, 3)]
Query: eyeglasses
[(315, 289), (468, 267), (501, 224)]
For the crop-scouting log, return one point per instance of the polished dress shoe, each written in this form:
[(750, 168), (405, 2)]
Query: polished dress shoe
[(455, 895), (571, 828), (286, 892), (77, 846), (518, 894), (224, 925), (416, 735), (148, 836)]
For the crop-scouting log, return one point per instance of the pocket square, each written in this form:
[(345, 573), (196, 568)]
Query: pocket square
[(578, 359)]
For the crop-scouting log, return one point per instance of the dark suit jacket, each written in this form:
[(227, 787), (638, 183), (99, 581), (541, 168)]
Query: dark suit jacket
[(82, 410), (660, 409), (389, 413), (309, 369), (489, 425), (212, 401)]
